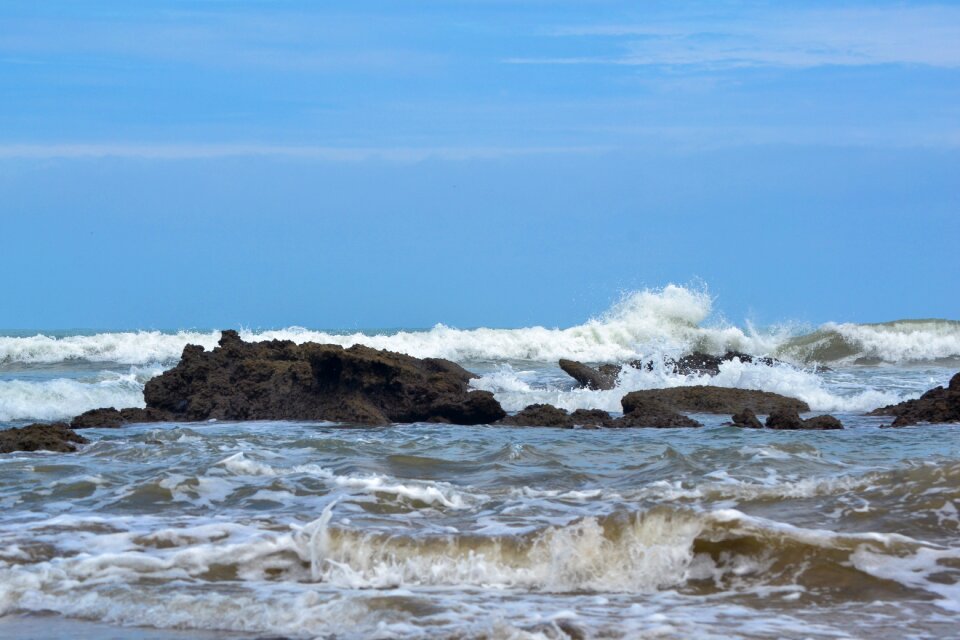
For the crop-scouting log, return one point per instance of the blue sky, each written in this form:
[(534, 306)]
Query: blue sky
[(382, 164)]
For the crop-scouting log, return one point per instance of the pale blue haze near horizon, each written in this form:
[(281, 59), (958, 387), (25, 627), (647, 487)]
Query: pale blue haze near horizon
[(378, 164)]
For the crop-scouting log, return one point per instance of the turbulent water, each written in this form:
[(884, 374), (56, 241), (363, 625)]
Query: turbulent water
[(266, 530)]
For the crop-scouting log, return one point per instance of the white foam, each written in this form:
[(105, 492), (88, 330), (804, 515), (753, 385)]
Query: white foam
[(515, 394), (63, 398)]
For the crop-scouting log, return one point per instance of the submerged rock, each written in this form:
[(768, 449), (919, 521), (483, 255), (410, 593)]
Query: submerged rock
[(936, 406), (650, 415), (787, 419), (280, 380), (600, 379), (110, 418), (707, 399), (40, 437)]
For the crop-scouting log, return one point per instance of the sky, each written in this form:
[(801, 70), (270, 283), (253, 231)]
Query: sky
[(202, 164)]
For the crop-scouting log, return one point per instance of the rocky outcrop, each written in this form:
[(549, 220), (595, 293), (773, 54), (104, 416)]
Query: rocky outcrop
[(746, 419), (707, 399), (938, 405), (280, 380), (787, 419), (600, 379), (40, 437), (110, 418)]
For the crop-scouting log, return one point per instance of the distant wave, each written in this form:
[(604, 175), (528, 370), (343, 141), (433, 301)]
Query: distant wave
[(900, 341), (63, 398), (673, 319)]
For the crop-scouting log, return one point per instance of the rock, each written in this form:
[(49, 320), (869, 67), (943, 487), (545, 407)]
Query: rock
[(110, 418), (936, 406), (597, 379), (36, 437), (822, 423), (747, 419), (280, 380), (787, 419), (591, 418), (707, 399), (539, 415)]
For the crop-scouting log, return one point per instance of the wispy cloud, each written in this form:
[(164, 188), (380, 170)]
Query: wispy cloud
[(925, 35), (331, 154)]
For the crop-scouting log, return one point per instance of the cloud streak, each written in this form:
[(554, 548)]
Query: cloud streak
[(323, 153), (928, 36)]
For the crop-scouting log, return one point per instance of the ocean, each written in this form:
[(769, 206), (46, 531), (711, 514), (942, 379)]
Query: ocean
[(317, 530)]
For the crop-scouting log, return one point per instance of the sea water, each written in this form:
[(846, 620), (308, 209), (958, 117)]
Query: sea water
[(303, 530)]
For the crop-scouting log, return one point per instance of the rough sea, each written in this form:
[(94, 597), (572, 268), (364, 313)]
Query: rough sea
[(317, 530)]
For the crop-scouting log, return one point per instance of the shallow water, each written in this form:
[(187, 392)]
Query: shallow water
[(305, 530)]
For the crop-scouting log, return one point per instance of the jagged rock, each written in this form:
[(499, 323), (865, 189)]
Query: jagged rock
[(40, 437), (707, 399), (110, 418), (787, 419), (747, 419), (601, 379), (280, 380), (938, 405)]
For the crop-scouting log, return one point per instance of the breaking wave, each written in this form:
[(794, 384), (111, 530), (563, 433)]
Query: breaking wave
[(672, 319)]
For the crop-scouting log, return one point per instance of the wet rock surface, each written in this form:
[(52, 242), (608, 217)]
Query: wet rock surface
[(602, 378), (651, 412), (936, 406), (708, 399), (787, 419), (746, 419), (40, 437), (281, 380)]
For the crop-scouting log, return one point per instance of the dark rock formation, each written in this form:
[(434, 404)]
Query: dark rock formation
[(280, 380), (938, 405), (110, 418), (705, 399), (787, 419), (747, 419), (40, 437), (603, 378)]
